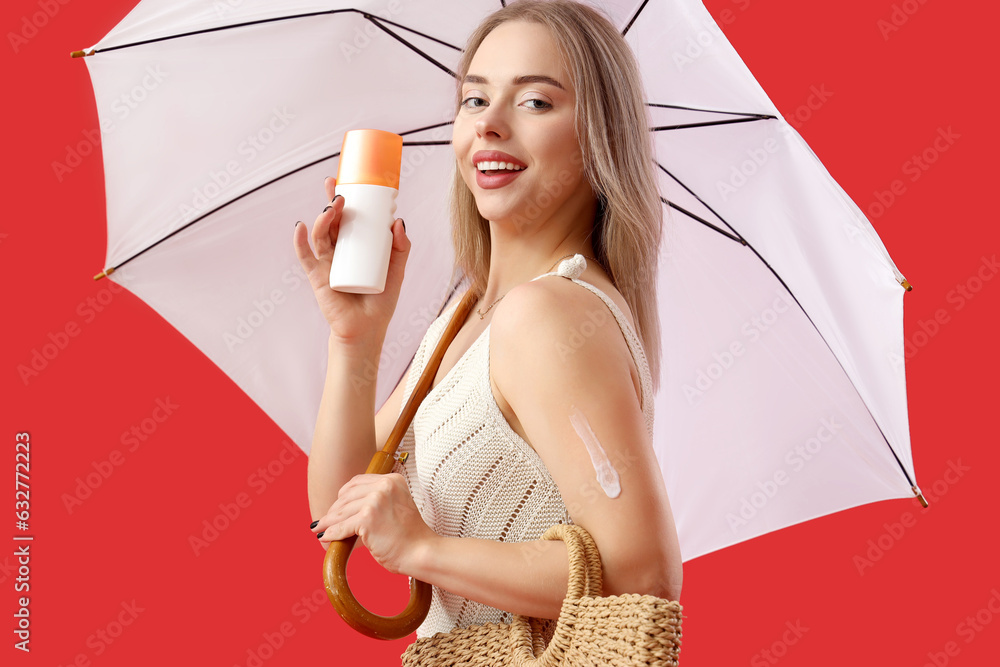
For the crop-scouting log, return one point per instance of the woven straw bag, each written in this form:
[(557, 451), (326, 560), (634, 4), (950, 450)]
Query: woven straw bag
[(622, 630)]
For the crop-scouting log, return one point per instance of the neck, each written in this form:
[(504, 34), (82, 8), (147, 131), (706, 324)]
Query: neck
[(520, 252)]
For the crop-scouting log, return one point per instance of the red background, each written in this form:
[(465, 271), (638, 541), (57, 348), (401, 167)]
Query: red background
[(129, 540)]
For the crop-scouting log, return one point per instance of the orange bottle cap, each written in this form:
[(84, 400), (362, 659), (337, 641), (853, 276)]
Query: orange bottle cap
[(372, 157)]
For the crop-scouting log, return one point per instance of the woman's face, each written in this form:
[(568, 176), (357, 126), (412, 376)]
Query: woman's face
[(518, 114)]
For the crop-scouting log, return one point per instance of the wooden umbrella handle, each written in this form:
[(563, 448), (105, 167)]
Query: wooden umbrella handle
[(335, 562), (352, 611)]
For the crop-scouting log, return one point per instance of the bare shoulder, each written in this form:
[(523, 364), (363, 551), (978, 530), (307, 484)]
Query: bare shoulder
[(551, 302), (573, 296), (552, 331)]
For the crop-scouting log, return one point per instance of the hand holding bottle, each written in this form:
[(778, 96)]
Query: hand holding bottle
[(353, 318)]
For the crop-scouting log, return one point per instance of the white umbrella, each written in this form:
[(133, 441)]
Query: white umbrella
[(783, 393)]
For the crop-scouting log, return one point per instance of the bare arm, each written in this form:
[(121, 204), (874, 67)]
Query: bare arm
[(344, 439), (329, 469), (527, 578), (633, 526)]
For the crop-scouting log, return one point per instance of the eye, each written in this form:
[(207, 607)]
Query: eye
[(474, 102), (541, 104)]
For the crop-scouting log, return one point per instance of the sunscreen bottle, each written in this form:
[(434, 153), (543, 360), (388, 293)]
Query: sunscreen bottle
[(368, 178)]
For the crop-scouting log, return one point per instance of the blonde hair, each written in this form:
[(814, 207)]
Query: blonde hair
[(613, 129)]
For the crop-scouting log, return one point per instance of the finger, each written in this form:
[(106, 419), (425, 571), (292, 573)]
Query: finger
[(330, 184), (349, 525), (362, 489), (355, 489), (400, 241), (339, 513), (300, 241), (327, 227), (400, 252)]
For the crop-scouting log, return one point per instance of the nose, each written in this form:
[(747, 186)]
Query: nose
[(490, 122)]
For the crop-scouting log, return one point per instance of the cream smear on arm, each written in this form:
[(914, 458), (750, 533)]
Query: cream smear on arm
[(607, 476)]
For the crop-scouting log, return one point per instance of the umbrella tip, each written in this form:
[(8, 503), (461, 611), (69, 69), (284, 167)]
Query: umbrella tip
[(919, 495), (105, 272), (81, 54), (906, 284)]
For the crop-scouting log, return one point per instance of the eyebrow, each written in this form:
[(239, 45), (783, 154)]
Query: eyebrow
[(526, 78)]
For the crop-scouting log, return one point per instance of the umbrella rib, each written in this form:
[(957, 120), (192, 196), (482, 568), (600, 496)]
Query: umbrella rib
[(739, 237), (427, 127), (220, 207), (731, 113), (408, 45), (223, 27), (415, 32), (688, 213), (791, 294), (706, 123), (634, 17), (273, 180), (285, 18)]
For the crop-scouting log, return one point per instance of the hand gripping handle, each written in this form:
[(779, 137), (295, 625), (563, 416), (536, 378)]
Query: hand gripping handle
[(352, 611)]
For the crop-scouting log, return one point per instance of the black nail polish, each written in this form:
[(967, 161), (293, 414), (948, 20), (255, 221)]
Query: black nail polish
[(338, 197), (320, 535), (327, 209), (298, 223), (404, 224), (314, 524)]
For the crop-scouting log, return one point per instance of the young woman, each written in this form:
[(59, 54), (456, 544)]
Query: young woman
[(547, 416)]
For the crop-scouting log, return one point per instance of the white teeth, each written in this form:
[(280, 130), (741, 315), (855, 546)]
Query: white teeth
[(497, 166)]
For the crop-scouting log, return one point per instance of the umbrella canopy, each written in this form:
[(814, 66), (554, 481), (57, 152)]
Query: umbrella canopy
[(783, 394)]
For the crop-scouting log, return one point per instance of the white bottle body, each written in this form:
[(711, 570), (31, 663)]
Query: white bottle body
[(364, 242)]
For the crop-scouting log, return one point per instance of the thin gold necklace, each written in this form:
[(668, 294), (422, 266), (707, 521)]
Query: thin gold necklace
[(482, 313)]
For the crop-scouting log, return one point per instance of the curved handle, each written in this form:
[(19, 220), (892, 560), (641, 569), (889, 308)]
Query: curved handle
[(352, 611), (335, 562)]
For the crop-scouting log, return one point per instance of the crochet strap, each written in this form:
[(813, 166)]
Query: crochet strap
[(585, 579), (585, 576)]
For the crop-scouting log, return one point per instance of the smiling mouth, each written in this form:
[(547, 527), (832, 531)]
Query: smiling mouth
[(488, 167)]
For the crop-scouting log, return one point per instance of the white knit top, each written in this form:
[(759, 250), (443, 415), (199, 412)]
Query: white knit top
[(469, 473)]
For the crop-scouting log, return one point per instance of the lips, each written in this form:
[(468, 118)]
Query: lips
[(496, 177)]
